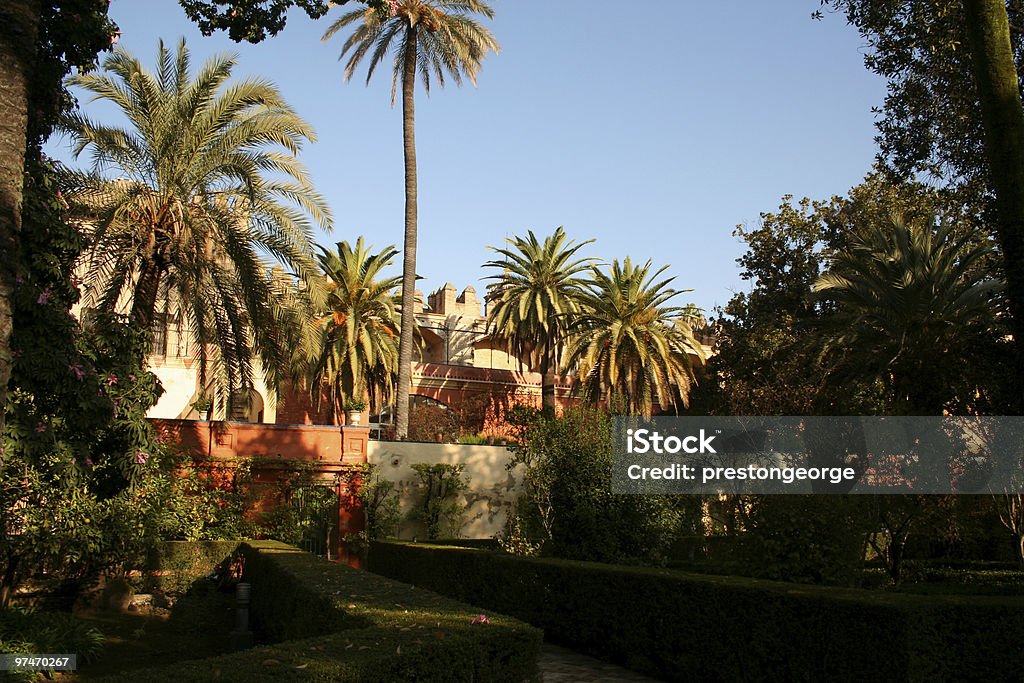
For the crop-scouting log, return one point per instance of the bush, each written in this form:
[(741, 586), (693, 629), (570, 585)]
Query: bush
[(356, 626), (26, 631), (805, 539), (173, 566), (567, 465), (440, 506), (694, 627), (380, 501)]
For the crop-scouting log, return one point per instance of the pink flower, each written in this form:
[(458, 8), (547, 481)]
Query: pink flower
[(77, 370), (40, 428), (480, 620), (88, 462), (44, 298), (141, 458), (111, 379)]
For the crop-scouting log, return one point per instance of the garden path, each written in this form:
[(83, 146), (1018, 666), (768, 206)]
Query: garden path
[(559, 665)]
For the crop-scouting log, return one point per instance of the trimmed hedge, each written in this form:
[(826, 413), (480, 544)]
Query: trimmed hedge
[(350, 625), (717, 628), (173, 566)]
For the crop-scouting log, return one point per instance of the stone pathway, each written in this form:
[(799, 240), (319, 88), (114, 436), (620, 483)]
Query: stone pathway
[(559, 665)]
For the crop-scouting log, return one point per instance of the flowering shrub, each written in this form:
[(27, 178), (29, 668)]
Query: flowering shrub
[(77, 447)]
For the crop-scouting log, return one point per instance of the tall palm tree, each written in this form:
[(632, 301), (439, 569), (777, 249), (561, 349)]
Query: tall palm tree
[(910, 300), (183, 203), (354, 345), (434, 38), (532, 299), (630, 343)]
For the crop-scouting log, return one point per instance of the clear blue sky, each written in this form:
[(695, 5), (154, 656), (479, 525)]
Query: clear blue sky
[(654, 128)]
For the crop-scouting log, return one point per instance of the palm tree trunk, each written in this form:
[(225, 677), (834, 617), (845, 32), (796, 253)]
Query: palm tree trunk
[(547, 382), (19, 23), (409, 253), (995, 77), (145, 295)]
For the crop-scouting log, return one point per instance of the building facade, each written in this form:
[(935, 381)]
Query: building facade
[(456, 366)]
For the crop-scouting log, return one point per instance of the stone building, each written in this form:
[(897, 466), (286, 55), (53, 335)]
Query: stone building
[(455, 365)]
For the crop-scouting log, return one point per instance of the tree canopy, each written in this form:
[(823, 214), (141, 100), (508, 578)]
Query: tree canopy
[(206, 180)]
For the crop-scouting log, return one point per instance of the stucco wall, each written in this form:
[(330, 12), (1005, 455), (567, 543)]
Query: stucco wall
[(492, 488)]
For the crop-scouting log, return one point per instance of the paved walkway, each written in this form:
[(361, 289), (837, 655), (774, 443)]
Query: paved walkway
[(559, 665)]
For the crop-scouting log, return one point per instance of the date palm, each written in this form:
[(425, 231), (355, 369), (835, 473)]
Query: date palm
[(353, 348), (532, 299), (630, 343), (437, 39), (910, 301), (185, 202)]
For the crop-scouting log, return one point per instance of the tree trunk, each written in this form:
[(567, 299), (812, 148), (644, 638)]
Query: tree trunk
[(19, 23), (995, 77), (409, 253), (547, 382), (145, 295)]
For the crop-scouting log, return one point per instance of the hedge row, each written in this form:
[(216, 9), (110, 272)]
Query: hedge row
[(173, 566), (718, 628), (341, 624)]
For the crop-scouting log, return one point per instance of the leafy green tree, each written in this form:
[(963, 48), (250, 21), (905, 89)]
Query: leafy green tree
[(954, 70), (533, 299), (354, 346), (254, 20), (434, 38), (762, 364), (79, 450), (39, 44), (910, 303), (769, 357), (629, 342), (198, 191), (568, 500)]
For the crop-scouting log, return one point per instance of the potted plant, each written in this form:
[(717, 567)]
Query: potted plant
[(354, 407), (203, 404)]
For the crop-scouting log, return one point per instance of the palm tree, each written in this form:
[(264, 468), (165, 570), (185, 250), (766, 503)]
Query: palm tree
[(629, 343), (354, 345), (183, 203), (532, 299), (910, 302), (432, 37)]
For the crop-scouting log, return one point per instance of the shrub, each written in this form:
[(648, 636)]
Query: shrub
[(805, 539), (27, 631), (567, 466), (694, 627), (428, 422), (173, 566), (350, 625), (440, 506)]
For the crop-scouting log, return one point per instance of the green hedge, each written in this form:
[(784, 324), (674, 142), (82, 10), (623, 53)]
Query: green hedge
[(173, 566), (718, 628), (341, 624)]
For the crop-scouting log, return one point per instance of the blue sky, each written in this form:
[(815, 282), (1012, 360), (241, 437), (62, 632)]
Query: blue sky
[(655, 132)]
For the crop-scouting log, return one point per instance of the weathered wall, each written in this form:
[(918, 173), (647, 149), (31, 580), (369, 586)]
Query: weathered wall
[(492, 488)]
